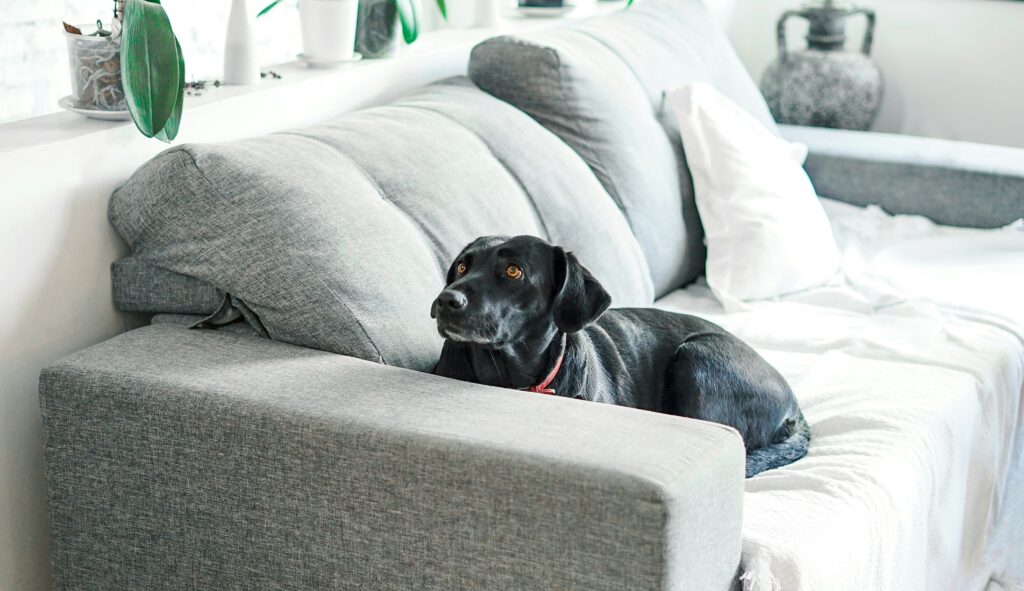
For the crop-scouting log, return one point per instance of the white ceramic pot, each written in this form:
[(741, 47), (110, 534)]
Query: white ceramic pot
[(461, 13), (488, 13), (328, 29)]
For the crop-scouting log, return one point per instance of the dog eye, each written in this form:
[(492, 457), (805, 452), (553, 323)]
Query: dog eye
[(460, 268), (513, 272)]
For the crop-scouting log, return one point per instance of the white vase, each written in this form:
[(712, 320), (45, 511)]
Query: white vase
[(328, 29), (240, 64)]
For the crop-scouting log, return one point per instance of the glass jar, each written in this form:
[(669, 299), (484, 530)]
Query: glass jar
[(95, 62)]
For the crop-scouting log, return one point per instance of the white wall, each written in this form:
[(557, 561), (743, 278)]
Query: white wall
[(953, 68)]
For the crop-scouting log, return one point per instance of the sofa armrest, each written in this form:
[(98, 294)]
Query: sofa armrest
[(953, 183), (183, 458)]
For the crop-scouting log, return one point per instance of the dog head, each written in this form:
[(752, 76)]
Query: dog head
[(503, 290)]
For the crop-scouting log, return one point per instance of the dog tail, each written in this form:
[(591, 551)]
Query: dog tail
[(787, 451)]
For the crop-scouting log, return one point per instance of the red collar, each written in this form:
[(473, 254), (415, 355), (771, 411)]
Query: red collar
[(542, 388)]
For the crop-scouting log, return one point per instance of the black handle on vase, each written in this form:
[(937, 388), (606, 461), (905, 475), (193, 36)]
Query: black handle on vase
[(780, 31), (869, 28)]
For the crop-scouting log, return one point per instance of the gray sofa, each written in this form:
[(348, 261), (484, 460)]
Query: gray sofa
[(290, 438)]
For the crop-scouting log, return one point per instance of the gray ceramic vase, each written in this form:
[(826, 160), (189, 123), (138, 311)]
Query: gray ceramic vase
[(824, 85)]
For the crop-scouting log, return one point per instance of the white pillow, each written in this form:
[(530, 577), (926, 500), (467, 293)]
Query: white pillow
[(767, 234)]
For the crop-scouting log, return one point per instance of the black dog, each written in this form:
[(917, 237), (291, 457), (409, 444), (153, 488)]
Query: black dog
[(521, 313)]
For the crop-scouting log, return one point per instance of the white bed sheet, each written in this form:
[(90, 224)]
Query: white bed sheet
[(910, 370)]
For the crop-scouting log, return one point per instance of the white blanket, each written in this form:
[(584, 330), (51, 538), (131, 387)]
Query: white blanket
[(910, 370)]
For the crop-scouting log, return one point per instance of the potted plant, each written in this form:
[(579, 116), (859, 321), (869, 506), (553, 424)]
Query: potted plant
[(376, 24), (95, 61), (135, 65), (328, 30)]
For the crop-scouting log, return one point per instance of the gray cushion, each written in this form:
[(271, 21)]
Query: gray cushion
[(337, 236), (600, 84), (953, 183), (141, 287), (191, 320), (181, 460)]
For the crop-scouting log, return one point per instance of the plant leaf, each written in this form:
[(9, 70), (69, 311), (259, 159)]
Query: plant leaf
[(170, 129), (409, 18), (443, 8), (267, 9), (149, 65)]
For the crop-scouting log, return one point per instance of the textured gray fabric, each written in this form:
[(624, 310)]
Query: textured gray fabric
[(140, 287), (600, 86), (572, 207), (190, 320), (337, 236), (182, 459), (953, 183)]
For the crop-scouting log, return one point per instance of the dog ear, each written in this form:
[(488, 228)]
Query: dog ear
[(580, 299)]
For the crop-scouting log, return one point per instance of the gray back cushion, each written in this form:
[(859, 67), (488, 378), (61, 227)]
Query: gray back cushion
[(337, 237), (141, 287), (599, 85)]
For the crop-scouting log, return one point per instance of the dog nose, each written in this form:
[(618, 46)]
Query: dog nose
[(451, 300)]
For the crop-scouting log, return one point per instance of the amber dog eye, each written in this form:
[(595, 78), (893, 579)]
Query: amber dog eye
[(460, 268), (513, 272)]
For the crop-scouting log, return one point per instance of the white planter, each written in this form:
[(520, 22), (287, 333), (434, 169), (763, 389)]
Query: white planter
[(95, 72), (240, 64), (461, 13), (328, 29), (488, 13)]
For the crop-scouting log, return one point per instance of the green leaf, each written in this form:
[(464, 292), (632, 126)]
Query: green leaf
[(443, 8), (170, 129), (409, 18), (150, 70), (267, 9)]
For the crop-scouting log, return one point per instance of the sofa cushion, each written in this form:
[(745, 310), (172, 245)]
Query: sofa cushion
[(599, 85), (765, 229), (914, 405), (141, 287), (337, 236), (191, 320)]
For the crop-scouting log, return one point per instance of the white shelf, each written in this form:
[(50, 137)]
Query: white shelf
[(303, 95)]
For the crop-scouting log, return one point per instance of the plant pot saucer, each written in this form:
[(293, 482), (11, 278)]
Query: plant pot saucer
[(68, 104), (326, 64)]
